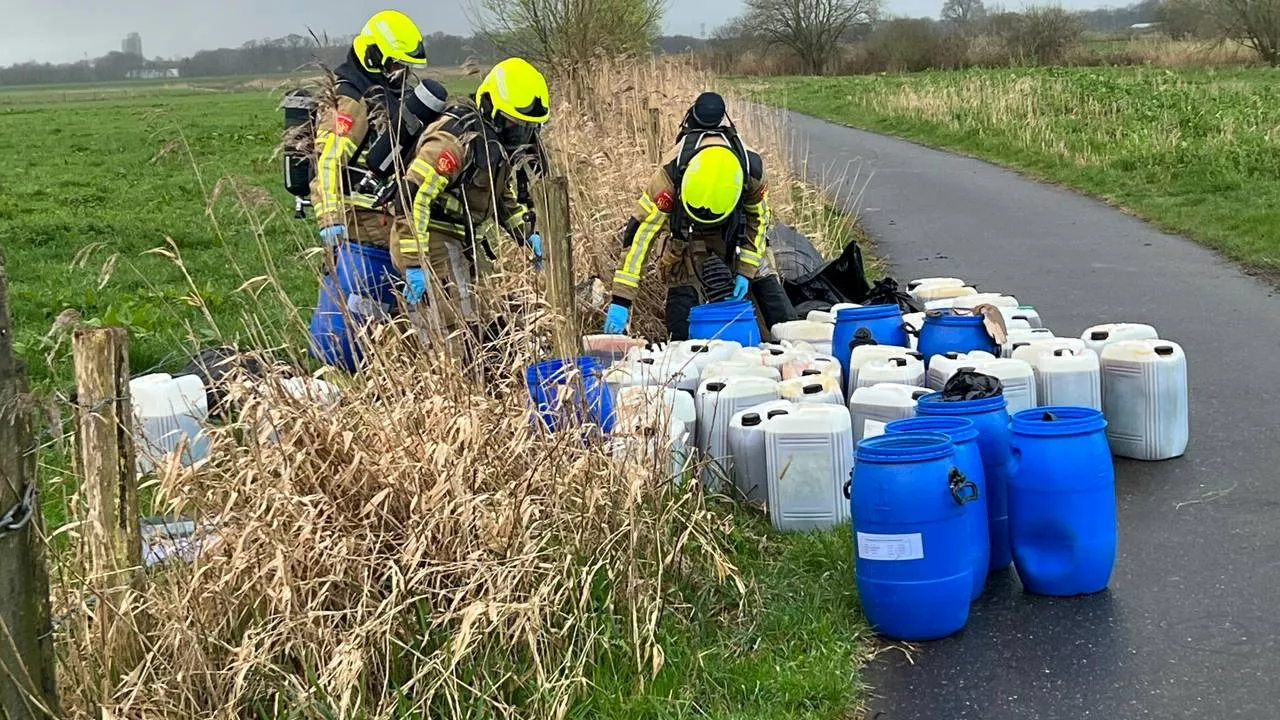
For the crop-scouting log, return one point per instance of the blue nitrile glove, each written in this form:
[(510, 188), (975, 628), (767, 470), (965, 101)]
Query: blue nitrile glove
[(333, 234), (415, 285), (615, 321), (535, 244), (740, 287)]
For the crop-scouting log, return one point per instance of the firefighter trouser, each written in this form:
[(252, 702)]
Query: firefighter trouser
[(682, 270), (449, 283)]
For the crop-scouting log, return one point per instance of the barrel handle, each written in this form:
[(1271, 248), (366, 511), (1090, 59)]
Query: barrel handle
[(963, 490), (1015, 460), (908, 329), (848, 488)]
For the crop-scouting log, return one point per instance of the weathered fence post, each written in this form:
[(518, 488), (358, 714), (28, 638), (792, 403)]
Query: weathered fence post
[(655, 135), (27, 685), (553, 192), (104, 419)]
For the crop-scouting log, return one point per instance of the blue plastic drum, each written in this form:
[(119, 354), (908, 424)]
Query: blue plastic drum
[(565, 393), (728, 320), (360, 290), (884, 322), (1062, 501), (954, 333)]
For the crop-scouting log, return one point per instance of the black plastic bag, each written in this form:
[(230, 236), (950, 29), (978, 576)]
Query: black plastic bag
[(840, 281), (887, 292), (215, 366), (969, 384)]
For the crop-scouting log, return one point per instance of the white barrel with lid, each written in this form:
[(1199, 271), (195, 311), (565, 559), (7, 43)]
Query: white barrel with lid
[(934, 282), (168, 412), (812, 390), (1029, 350), (1144, 397), (863, 354), (808, 460), (899, 370), (931, 294), (1022, 312), (942, 367), (1067, 376), (741, 368), (718, 400), (1099, 337), (969, 302), (1023, 336), (1018, 379), (746, 444), (871, 408), (822, 316), (817, 334)]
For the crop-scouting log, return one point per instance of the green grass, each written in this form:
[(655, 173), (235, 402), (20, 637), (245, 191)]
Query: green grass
[(118, 177), (1197, 152)]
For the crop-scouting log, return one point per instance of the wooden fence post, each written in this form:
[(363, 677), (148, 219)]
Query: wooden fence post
[(553, 192), (655, 135), (104, 441), (28, 688)]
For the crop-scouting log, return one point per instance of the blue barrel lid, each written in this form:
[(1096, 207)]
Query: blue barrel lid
[(723, 310), (933, 404), (905, 448), (869, 312), (1058, 421), (953, 319), (959, 429)]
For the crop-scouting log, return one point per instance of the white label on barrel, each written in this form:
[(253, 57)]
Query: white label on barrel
[(890, 547), (872, 428)]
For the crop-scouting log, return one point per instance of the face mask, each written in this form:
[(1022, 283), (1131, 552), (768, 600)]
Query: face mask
[(515, 134)]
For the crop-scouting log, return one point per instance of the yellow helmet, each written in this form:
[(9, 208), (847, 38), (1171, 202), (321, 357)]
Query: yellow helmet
[(517, 90), (389, 36), (712, 185)]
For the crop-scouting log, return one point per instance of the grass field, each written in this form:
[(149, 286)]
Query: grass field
[(107, 181), (1197, 152)]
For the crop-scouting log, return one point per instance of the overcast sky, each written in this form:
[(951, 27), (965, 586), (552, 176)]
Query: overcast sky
[(67, 30)]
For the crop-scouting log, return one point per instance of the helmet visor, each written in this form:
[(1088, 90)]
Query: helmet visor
[(705, 216)]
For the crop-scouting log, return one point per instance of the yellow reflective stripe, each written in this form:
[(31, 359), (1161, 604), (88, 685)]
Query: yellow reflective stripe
[(450, 204), (762, 213), (624, 278), (421, 167), (648, 230), (362, 201), (432, 185), (329, 168)]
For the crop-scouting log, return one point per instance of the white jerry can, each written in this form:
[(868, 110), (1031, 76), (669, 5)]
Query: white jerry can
[(941, 282), (718, 400), (1018, 379), (1014, 337), (931, 294), (863, 354), (822, 316), (1029, 350), (871, 408), (1099, 336), (817, 334), (741, 368), (1022, 312), (746, 444), (942, 367), (915, 323), (899, 370), (657, 424), (812, 390), (1144, 397), (809, 459), (969, 302), (1067, 377), (166, 412)]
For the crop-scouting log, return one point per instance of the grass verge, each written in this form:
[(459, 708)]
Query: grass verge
[(1194, 151)]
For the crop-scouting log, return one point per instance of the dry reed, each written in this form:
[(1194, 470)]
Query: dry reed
[(422, 549)]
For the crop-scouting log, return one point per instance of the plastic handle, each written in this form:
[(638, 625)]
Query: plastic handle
[(1015, 460), (963, 490), (908, 329), (848, 488)]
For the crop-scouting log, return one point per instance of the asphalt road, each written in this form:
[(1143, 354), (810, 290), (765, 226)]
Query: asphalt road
[(1190, 627)]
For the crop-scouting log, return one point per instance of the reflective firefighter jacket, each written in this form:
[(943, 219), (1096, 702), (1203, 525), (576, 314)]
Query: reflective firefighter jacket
[(659, 212)]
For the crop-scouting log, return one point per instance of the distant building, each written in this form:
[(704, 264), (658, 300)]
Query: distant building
[(153, 73), (132, 44)]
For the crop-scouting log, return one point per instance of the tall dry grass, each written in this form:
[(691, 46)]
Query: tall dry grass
[(422, 549)]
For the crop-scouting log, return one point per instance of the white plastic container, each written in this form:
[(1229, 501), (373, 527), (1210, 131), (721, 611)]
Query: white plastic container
[(942, 367), (900, 370), (704, 352), (746, 444), (871, 408), (808, 365), (1099, 337), (608, 349), (652, 420), (969, 302), (931, 293), (1067, 377), (1029, 350), (812, 390), (863, 354), (718, 400), (808, 459), (1022, 336), (817, 334), (940, 304), (822, 316), (938, 282), (166, 412), (1144, 397), (769, 354), (741, 368), (835, 309), (915, 321), (676, 372), (1018, 379), (1022, 312)]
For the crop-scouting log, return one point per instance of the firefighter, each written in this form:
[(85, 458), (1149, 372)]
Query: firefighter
[(462, 181), (710, 198)]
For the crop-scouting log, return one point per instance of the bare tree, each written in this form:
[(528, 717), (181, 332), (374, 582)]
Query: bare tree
[(564, 33), (1253, 23), (812, 29), (964, 15)]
